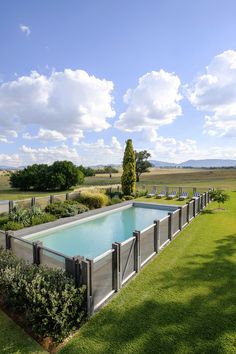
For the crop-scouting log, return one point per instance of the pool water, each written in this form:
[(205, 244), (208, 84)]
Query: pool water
[(91, 238)]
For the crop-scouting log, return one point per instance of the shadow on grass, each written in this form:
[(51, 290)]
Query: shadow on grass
[(207, 211), (191, 311)]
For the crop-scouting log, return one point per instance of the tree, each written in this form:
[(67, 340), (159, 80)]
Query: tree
[(142, 165), (64, 175), (219, 196), (128, 178), (61, 175), (87, 171), (109, 169)]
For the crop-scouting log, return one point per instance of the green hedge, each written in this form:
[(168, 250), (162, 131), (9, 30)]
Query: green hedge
[(93, 200), (47, 298)]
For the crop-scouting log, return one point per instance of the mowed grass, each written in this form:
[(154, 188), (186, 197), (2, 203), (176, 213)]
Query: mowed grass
[(13, 340), (184, 301)]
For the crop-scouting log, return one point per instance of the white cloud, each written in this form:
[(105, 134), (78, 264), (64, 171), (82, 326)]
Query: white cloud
[(215, 92), (45, 135), (8, 134), (12, 160), (49, 154), (171, 149), (68, 102), (25, 29), (101, 153), (153, 103)]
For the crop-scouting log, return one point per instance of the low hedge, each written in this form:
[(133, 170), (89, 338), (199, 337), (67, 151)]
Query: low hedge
[(93, 200), (46, 298), (67, 208)]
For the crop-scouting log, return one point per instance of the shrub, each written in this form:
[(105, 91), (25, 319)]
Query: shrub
[(115, 201), (128, 197), (67, 208), (19, 215), (114, 194), (13, 225), (93, 200), (3, 221), (46, 298), (219, 196), (42, 219), (142, 193)]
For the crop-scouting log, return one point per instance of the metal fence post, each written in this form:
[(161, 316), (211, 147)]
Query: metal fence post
[(136, 234), (33, 201), (194, 208), (85, 275), (180, 218), (11, 205), (116, 266), (170, 226), (8, 240), (156, 236), (188, 212), (36, 252)]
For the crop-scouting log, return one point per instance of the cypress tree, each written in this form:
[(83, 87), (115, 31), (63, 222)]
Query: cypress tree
[(128, 178)]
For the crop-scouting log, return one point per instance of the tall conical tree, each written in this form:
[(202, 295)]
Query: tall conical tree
[(128, 178)]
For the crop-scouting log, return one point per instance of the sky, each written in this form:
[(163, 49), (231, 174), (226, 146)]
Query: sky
[(80, 77)]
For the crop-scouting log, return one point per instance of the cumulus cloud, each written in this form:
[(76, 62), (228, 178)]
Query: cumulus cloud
[(215, 92), (48, 155), (45, 135), (153, 103), (171, 149), (94, 153), (100, 152), (69, 102), (25, 29)]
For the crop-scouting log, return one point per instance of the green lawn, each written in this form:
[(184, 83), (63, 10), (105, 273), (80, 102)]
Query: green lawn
[(13, 340), (184, 301)]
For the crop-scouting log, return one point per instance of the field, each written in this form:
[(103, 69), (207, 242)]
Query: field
[(219, 178)]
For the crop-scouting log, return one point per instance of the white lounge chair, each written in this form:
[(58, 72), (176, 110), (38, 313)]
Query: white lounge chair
[(161, 194), (196, 195), (152, 193), (183, 196), (172, 195)]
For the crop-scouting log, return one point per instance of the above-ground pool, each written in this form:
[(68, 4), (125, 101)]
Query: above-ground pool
[(93, 236)]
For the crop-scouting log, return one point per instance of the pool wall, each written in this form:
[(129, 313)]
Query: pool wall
[(107, 273)]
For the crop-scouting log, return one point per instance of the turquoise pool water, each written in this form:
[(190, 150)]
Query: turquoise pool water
[(90, 238)]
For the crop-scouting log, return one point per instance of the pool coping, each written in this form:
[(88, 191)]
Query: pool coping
[(30, 231)]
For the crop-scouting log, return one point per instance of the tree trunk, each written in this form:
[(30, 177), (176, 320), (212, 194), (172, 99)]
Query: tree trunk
[(137, 177)]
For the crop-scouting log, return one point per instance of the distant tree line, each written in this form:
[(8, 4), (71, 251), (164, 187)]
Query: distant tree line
[(89, 171), (61, 175)]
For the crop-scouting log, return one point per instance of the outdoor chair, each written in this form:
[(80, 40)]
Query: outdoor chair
[(152, 193), (183, 196), (172, 195), (196, 195), (161, 194)]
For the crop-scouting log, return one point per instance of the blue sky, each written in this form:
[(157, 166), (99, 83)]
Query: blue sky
[(77, 78)]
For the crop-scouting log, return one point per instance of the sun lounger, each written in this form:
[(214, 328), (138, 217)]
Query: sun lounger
[(172, 195), (152, 193), (183, 195), (196, 195), (161, 194)]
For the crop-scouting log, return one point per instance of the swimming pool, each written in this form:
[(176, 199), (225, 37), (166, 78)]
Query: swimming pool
[(93, 236)]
